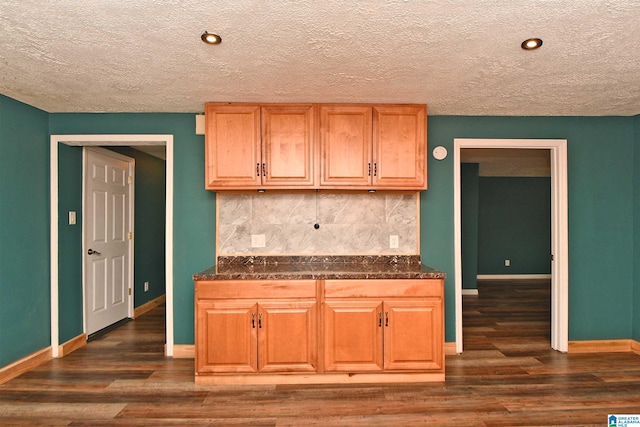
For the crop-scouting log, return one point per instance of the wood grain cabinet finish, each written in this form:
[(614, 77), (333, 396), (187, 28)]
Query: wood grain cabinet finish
[(271, 332), (259, 146), (233, 146), (379, 147), (315, 146), (345, 146), (288, 141), (353, 337), (399, 146), (403, 330), (255, 326), (376, 335)]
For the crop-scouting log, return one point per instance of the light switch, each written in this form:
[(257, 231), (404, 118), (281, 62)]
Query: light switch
[(72, 217)]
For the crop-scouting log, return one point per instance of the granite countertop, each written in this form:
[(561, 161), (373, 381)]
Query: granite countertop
[(319, 267)]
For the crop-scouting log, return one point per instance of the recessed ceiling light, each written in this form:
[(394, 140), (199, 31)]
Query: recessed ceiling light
[(531, 44), (210, 38)]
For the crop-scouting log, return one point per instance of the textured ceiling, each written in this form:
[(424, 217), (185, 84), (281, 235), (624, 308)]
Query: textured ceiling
[(461, 57)]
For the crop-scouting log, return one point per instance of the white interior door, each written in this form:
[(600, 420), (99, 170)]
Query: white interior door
[(107, 243)]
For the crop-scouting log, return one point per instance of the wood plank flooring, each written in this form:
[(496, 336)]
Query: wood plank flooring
[(507, 376)]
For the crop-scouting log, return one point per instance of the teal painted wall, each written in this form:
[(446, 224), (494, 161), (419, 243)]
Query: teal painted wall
[(469, 199), (194, 207), (69, 242), (24, 230), (601, 214), (149, 225), (514, 224), (600, 157)]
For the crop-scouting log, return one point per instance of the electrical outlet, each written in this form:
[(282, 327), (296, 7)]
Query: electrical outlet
[(394, 241), (146, 286), (507, 263), (258, 241)]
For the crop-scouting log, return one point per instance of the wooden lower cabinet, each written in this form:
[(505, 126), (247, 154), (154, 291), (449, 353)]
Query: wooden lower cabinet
[(272, 332), (383, 335), (246, 337), (413, 335), (287, 336), (226, 340), (352, 336)]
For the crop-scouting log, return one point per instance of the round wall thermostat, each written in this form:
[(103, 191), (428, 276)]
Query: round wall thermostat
[(439, 153)]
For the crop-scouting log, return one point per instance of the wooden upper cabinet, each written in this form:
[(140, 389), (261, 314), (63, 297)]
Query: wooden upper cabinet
[(306, 146), (232, 147), (287, 145), (254, 146), (345, 145), (399, 146), (378, 147)]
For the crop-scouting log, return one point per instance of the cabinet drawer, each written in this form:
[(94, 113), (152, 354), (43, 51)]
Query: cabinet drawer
[(255, 289), (384, 288)]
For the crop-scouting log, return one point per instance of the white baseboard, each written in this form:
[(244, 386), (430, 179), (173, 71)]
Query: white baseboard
[(513, 276), (469, 292)]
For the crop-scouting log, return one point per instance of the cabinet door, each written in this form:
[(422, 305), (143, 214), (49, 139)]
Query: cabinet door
[(225, 336), (232, 146), (399, 146), (413, 335), (353, 336), (287, 145), (345, 145), (287, 334)]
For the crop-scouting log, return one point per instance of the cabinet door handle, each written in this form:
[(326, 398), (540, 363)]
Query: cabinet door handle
[(253, 320), (369, 173), (386, 318), (258, 169), (375, 169), (380, 319), (260, 320), (264, 169)]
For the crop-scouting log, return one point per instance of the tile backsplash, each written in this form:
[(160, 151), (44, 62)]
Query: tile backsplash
[(348, 223)]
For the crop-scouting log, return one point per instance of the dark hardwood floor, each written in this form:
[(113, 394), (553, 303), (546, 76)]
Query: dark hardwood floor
[(507, 376)]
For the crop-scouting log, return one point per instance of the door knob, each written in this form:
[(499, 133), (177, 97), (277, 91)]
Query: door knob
[(91, 252)]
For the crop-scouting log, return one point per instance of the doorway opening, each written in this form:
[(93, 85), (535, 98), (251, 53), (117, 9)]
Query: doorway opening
[(165, 142), (559, 230)]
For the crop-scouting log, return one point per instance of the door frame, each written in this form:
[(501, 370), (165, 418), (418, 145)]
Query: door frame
[(559, 231), (131, 165), (110, 140)]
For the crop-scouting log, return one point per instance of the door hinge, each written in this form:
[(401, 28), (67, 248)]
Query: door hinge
[(129, 291), (129, 179), (130, 235)]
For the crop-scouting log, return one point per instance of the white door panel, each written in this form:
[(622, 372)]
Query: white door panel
[(107, 224)]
